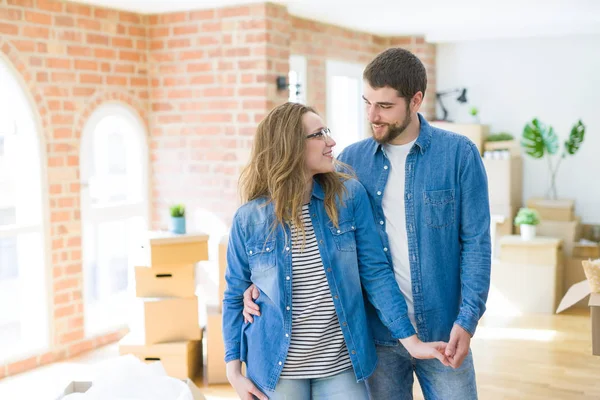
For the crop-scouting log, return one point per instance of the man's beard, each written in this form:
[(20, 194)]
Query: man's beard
[(393, 130)]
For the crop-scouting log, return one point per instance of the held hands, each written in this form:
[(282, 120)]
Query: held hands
[(242, 385), (250, 307), (426, 350), (458, 346)]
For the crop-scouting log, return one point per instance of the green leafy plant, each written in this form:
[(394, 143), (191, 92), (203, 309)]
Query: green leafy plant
[(177, 210), (540, 140), (499, 137), (473, 111), (527, 216)]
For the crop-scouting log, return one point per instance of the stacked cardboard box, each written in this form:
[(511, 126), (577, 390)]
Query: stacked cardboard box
[(164, 326), (215, 353)]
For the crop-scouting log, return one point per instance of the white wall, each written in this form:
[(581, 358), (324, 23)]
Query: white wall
[(513, 80)]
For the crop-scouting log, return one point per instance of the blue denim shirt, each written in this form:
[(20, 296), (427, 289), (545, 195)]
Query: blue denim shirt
[(447, 222), (352, 254)]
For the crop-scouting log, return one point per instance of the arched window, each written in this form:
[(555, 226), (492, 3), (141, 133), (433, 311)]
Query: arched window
[(114, 212), (23, 249)]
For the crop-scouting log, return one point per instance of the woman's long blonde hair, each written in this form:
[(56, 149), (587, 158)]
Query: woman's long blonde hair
[(276, 167)]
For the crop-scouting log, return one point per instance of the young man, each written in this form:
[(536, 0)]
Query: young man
[(428, 191)]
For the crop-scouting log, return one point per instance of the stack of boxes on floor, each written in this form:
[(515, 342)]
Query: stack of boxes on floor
[(164, 325)]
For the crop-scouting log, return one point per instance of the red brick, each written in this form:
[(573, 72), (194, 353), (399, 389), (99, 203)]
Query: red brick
[(122, 42), (178, 43), (136, 31), (9, 29), (89, 24), (129, 17), (84, 92), (90, 78), (50, 5), (64, 311), (22, 366), (116, 80), (26, 46), (35, 32), (105, 53), (92, 38), (73, 8), (79, 51), (62, 298), (38, 18), (63, 77), (62, 20), (86, 65), (172, 18), (58, 63), (200, 67), (125, 55), (64, 284), (80, 347), (70, 338), (10, 14)]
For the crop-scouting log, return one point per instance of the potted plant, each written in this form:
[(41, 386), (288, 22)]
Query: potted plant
[(502, 141), (178, 218), (540, 140), (474, 113), (527, 219)]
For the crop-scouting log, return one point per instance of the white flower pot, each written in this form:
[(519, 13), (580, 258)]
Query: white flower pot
[(527, 232)]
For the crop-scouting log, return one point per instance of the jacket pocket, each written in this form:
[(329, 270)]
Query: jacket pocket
[(343, 235), (261, 255), (439, 207)]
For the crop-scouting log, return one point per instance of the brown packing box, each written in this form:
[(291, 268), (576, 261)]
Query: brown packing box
[(171, 249), (165, 281), (595, 311), (222, 268), (475, 132), (215, 353), (505, 180), (573, 274), (585, 250), (568, 231), (538, 251), (162, 320), (553, 210), (180, 359)]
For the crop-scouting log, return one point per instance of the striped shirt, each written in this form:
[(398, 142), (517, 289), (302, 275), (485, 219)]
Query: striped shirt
[(317, 347)]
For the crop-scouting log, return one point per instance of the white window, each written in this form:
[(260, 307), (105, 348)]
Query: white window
[(345, 110), (297, 79), (114, 213), (23, 251)]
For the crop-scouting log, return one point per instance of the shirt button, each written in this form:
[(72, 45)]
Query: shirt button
[(385, 167), (314, 215), (353, 351), (380, 222), (353, 228), (408, 196), (378, 193), (268, 249), (288, 308), (335, 297), (250, 252), (280, 363), (338, 231), (287, 249), (344, 323), (328, 269), (287, 278), (287, 335), (385, 249), (321, 241)]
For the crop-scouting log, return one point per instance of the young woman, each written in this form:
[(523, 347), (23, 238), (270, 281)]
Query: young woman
[(305, 238)]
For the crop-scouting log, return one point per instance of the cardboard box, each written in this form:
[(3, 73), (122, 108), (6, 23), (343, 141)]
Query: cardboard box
[(165, 281), (215, 353), (505, 180), (513, 146), (573, 274), (568, 231), (529, 288), (82, 387), (553, 210), (166, 320), (222, 268), (579, 291), (586, 250), (538, 251), (171, 249), (475, 132), (181, 360)]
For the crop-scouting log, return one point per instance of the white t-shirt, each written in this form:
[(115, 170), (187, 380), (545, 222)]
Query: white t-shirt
[(395, 218)]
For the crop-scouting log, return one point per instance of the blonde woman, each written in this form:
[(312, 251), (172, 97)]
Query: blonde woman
[(305, 238)]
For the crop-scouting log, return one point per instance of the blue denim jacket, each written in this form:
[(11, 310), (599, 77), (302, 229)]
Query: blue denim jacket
[(448, 221), (352, 254)]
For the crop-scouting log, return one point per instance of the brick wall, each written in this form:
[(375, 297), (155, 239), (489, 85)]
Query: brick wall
[(200, 80), (71, 58)]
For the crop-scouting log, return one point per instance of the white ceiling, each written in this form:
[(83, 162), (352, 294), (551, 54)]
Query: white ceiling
[(437, 20)]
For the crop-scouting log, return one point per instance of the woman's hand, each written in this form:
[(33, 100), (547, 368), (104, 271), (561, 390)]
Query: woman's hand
[(242, 385), (425, 350)]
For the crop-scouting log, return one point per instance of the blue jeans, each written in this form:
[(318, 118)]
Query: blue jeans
[(393, 378), (342, 386)]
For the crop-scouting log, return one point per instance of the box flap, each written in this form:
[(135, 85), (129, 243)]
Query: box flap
[(165, 237), (576, 293), (595, 300)]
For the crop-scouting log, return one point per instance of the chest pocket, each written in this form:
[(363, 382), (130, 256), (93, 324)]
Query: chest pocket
[(439, 208), (261, 255), (343, 236)]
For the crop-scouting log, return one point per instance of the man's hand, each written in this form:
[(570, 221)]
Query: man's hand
[(250, 307), (458, 346), (242, 385), (425, 350)]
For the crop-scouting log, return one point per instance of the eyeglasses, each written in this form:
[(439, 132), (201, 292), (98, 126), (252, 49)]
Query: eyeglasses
[(323, 134)]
